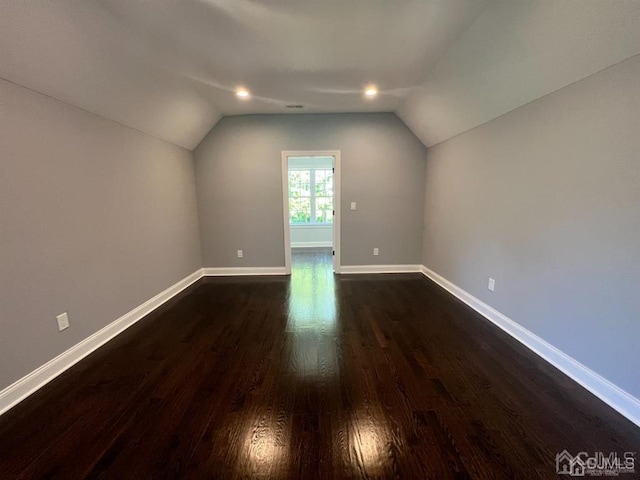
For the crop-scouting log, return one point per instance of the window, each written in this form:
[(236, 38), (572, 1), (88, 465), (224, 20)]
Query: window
[(310, 196)]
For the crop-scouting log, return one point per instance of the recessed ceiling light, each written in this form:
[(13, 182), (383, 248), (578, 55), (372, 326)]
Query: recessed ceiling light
[(242, 93), (371, 91)]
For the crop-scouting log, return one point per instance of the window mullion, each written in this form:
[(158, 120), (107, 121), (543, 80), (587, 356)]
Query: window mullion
[(312, 184)]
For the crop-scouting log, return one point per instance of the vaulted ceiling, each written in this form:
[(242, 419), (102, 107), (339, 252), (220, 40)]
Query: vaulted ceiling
[(169, 68)]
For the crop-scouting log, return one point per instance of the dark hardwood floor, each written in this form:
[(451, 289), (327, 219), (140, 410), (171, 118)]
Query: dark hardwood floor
[(313, 376)]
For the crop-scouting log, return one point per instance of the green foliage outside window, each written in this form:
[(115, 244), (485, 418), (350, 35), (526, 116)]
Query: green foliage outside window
[(311, 196)]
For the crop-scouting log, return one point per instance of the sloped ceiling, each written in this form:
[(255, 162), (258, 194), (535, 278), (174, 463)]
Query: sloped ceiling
[(169, 68), (516, 52)]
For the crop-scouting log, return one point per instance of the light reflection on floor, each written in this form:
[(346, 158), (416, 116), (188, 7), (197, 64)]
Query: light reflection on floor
[(312, 314), (264, 447), (363, 439), (370, 440)]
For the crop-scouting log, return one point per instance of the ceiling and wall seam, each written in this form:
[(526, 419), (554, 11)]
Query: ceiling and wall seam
[(518, 107), (170, 70), (514, 53), (438, 60), (95, 114)]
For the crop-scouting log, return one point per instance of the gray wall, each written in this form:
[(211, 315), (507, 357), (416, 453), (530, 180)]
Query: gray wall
[(239, 185), (302, 236), (95, 219), (546, 200)]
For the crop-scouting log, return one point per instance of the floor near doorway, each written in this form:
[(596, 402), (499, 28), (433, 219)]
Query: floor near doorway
[(313, 259)]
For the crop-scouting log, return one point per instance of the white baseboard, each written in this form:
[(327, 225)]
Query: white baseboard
[(311, 244), (623, 402), (21, 389), (240, 271), (611, 394), (380, 268)]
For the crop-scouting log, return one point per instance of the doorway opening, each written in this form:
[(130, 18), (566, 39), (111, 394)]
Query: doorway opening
[(311, 208)]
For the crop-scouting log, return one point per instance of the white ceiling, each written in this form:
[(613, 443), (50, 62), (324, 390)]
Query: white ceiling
[(515, 52), (169, 67)]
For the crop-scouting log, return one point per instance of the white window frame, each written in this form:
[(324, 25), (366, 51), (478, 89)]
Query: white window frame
[(312, 198)]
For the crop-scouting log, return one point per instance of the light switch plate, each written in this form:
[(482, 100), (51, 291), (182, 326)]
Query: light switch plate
[(63, 321)]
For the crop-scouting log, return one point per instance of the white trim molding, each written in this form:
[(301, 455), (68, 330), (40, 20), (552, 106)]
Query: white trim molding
[(611, 394), (380, 269), (242, 271), (285, 154), (311, 244), (21, 389)]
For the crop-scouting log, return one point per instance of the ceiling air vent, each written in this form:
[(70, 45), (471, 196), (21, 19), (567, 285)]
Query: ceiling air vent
[(295, 107)]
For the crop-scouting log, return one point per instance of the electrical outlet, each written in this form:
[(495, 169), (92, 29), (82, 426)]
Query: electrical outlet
[(492, 284), (375, 251), (240, 254), (63, 321), (353, 205)]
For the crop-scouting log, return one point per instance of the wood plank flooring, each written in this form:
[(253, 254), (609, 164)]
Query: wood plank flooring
[(313, 376)]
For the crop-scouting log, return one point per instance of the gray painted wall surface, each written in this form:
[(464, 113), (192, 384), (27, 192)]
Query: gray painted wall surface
[(95, 219), (302, 236), (546, 200), (239, 185)]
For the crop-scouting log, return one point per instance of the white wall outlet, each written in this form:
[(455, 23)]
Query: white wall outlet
[(240, 254), (63, 321), (492, 284), (375, 251), (353, 205)]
